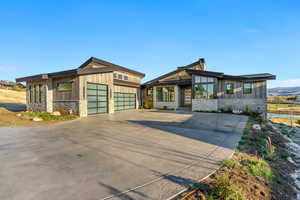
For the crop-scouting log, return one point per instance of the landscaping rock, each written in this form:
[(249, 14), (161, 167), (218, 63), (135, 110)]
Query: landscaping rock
[(256, 127), (37, 119), (56, 113), (237, 112), (19, 115)]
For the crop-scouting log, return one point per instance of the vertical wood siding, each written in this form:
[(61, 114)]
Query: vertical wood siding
[(103, 78)]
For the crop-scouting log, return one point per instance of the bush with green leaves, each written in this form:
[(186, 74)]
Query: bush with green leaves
[(47, 116), (226, 189), (230, 163), (257, 167)]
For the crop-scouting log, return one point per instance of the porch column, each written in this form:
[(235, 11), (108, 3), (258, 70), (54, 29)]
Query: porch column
[(49, 95), (177, 96)]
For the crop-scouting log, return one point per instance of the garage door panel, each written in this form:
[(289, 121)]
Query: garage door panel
[(92, 92), (97, 98), (124, 101), (102, 92), (92, 98), (102, 87), (92, 104), (102, 110), (91, 86), (102, 104), (92, 110)]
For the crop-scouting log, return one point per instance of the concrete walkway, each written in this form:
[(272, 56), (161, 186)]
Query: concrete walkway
[(126, 155)]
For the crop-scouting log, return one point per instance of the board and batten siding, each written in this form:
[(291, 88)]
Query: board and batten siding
[(131, 77), (103, 78), (258, 89), (71, 95), (66, 99)]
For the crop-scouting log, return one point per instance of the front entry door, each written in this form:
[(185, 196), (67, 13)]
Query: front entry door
[(187, 96)]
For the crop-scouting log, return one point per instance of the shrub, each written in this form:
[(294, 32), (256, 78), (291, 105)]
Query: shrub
[(230, 163), (246, 131), (258, 167), (284, 155), (46, 116), (230, 108), (64, 111), (298, 121), (226, 189), (244, 137)]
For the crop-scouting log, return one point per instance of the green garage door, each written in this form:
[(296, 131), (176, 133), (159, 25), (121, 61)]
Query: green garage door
[(97, 98), (124, 101)]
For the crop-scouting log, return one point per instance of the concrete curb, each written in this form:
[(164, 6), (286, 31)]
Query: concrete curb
[(186, 189)]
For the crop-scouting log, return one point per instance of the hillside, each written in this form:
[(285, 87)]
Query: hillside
[(12, 96), (284, 91), (12, 100)]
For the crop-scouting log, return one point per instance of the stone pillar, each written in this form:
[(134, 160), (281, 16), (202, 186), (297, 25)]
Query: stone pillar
[(177, 96), (138, 98), (82, 97), (111, 103), (49, 95)]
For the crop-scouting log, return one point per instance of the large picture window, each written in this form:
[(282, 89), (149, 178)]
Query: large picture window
[(204, 87), (66, 86), (247, 88), (30, 94), (165, 94), (40, 93), (35, 94), (229, 88)]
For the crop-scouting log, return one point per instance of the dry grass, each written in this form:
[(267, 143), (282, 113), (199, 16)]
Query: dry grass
[(258, 170), (12, 96), (286, 121)]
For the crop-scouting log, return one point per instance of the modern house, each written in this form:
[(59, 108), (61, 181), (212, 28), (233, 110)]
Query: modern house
[(192, 86), (96, 86)]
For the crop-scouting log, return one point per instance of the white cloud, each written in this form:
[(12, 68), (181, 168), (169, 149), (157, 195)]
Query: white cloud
[(285, 83), (7, 68)]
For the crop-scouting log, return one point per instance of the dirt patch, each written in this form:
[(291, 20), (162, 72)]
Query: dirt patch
[(258, 170)]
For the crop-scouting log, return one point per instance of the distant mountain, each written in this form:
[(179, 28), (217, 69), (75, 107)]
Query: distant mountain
[(284, 91)]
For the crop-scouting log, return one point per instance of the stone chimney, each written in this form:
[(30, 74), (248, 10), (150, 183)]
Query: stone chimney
[(202, 64)]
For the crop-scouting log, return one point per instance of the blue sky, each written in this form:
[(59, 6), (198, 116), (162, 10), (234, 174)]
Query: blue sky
[(154, 37)]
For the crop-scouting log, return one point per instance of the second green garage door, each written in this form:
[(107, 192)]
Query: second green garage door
[(124, 101), (97, 98)]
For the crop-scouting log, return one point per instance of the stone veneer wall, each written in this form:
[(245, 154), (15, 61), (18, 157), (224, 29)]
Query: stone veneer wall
[(204, 104), (245, 105), (68, 105)]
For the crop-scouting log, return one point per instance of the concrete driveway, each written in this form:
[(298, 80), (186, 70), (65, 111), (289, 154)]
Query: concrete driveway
[(126, 155)]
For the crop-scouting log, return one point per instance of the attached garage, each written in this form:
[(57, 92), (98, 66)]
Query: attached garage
[(97, 96), (124, 101), (125, 98)]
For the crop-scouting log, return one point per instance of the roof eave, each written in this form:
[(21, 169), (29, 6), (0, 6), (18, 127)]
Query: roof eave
[(103, 62), (34, 77)]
